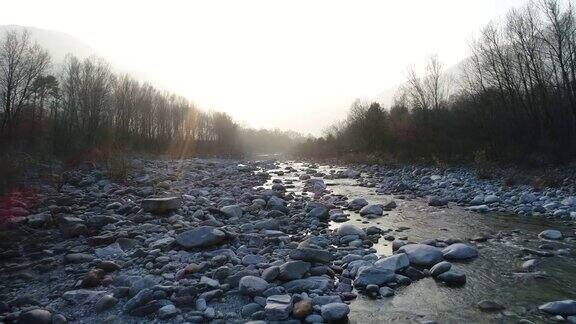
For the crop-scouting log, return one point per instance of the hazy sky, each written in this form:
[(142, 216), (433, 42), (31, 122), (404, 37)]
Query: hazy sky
[(288, 64)]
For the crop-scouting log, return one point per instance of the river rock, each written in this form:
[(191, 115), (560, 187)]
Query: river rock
[(200, 237), (551, 234), (350, 229), (232, 211), (421, 254), (394, 262), (562, 307), (35, 316), (292, 270), (460, 251), (373, 275), (489, 306), (252, 285), (373, 209), (312, 255), (302, 309), (452, 277), (161, 205), (357, 203), (439, 268), (278, 307), (334, 311)]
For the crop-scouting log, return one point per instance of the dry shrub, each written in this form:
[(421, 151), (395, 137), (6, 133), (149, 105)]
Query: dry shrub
[(115, 160), (543, 181), (13, 164), (440, 164), (484, 169)]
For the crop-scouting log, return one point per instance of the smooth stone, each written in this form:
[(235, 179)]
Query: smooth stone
[(421, 254), (334, 311), (460, 251), (440, 268), (252, 285), (551, 234), (203, 236), (563, 307)]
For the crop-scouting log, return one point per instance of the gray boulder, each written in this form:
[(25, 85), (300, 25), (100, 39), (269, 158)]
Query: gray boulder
[(421, 254), (203, 236), (161, 205), (252, 285), (460, 251), (334, 311), (563, 307)]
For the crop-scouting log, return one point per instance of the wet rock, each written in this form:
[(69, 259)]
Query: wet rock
[(453, 277), (394, 262), (529, 265), (489, 306), (373, 275), (270, 274), (421, 254), (334, 311), (460, 251), (203, 236), (440, 268), (386, 291), (562, 307), (161, 205), (551, 234)]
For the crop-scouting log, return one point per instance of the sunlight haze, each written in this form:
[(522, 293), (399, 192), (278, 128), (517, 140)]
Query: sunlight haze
[(287, 64)]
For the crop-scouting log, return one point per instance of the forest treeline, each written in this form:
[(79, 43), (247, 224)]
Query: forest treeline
[(514, 100), (81, 105)]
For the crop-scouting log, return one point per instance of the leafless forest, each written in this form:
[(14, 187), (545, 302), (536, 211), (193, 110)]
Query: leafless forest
[(515, 99)]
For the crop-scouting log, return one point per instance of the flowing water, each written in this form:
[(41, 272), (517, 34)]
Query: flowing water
[(494, 275)]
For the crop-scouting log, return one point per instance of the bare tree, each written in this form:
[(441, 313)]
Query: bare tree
[(21, 62)]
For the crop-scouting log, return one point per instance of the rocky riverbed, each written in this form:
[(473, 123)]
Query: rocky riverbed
[(227, 241)]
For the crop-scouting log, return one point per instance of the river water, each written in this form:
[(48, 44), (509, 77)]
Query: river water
[(495, 275)]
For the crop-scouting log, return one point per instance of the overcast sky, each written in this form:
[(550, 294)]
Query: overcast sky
[(288, 64)]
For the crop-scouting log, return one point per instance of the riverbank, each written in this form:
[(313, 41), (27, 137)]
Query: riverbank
[(237, 241)]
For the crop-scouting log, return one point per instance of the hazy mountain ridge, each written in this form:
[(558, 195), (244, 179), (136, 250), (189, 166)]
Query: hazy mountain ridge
[(58, 44)]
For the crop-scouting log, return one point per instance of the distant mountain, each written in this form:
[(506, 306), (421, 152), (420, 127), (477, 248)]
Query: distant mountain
[(58, 44)]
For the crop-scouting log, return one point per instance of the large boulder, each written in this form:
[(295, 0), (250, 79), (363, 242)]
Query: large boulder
[(421, 254), (460, 251), (161, 205), (203, 236), (35, 316)]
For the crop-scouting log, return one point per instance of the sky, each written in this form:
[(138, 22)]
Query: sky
[(288, 64)]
